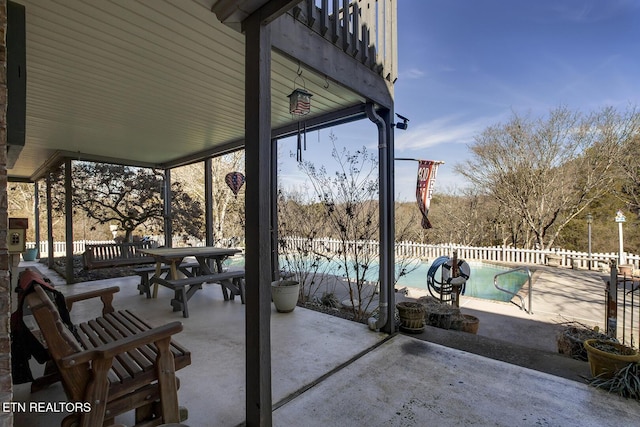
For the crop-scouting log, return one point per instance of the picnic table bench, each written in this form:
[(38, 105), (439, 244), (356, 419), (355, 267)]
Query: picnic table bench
[(187, 268), (210, 260), (109, 255), (232, 283)]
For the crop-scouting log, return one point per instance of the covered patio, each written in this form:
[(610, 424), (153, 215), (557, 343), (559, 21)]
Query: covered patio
[(329, 371), (166, 84)]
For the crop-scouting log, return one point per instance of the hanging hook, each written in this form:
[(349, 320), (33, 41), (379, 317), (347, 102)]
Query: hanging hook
[(326, 81), (304, 83), (299, 76)]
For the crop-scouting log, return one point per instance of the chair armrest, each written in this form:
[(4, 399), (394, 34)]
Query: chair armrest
[(114, 348), (106, 295)]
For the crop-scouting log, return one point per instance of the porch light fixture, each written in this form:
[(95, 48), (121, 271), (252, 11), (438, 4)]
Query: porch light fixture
[(402, 125)]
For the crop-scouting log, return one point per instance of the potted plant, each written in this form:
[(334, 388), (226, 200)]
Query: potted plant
[(439, 314), (411, 316), (571, 337), (625, 270), (30, 254), (284, 294), (625, 382), (469, 324), (607, 357)]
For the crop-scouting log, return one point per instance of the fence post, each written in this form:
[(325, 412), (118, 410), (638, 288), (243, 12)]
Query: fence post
[(611, 319)]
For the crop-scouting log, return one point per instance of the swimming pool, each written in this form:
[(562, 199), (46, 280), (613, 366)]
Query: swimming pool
[(479, 285)]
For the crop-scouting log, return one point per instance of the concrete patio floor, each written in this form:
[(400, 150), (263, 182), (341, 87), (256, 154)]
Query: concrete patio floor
[(328, 371)]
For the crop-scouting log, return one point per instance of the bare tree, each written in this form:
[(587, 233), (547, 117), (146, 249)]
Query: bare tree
[(629, 191), (301, 223), (348, 197), (227, 208), (466, 218), (549, 170), (129, 197)]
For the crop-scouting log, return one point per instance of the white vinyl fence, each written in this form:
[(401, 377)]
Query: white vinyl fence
[(79, 246), (563, 257), (60, 248)]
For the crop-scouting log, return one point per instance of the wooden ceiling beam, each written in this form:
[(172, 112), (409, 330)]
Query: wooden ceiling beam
[(296, 41), (233, 13)]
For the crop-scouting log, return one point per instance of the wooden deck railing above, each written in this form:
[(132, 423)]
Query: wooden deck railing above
[(364, 29)]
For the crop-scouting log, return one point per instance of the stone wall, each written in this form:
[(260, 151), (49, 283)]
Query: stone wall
[(6, 390)]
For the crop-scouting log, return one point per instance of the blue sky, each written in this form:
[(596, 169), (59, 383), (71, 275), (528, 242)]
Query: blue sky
[(465, 65)]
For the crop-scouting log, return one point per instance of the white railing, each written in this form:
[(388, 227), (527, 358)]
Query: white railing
[(365, 29)]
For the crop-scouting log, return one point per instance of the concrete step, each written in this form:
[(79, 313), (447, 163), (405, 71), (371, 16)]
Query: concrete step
[(539, 360)]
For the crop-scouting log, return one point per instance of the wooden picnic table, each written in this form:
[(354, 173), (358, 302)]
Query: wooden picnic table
[(210, 270)]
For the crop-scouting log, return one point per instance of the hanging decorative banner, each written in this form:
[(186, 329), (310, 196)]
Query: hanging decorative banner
[(234, 180), (427, 170)]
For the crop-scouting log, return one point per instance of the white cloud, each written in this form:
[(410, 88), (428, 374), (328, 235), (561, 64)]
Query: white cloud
[(445, 130), (412, 73), (591, 11)]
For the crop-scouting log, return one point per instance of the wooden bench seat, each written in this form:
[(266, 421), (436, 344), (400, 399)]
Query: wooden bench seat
[(231, 281), (116, 362), (188, 268), (110, 255), (136, 365)]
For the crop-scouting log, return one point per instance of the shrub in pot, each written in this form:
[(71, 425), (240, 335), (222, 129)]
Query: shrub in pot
[(607, 357), (625, 382), (570, 339)]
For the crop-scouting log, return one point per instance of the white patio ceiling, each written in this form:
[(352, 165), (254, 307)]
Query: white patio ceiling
[(147, 82)]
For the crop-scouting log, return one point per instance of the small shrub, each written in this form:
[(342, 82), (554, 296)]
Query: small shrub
[(625, 382)]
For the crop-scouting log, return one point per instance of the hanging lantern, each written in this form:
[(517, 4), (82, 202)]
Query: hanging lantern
[(300, 102), (300, 105)]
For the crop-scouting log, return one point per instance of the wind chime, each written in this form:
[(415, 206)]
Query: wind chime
[(300, 105)]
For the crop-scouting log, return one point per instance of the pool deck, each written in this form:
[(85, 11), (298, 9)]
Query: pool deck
[(560, 295), (328, 371), (510, 334)]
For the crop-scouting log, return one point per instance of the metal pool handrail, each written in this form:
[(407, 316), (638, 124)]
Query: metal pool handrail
[(495, 283)]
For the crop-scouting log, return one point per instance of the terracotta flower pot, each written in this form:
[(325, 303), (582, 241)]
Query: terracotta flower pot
[(625, 270), (604, 362)]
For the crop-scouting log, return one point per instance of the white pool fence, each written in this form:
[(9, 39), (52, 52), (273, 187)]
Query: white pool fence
[(561, 257)]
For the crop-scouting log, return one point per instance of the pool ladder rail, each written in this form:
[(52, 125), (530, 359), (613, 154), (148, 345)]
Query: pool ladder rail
[(495, 283)]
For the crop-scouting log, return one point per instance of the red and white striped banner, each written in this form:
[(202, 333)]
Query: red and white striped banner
[(427, 170)]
